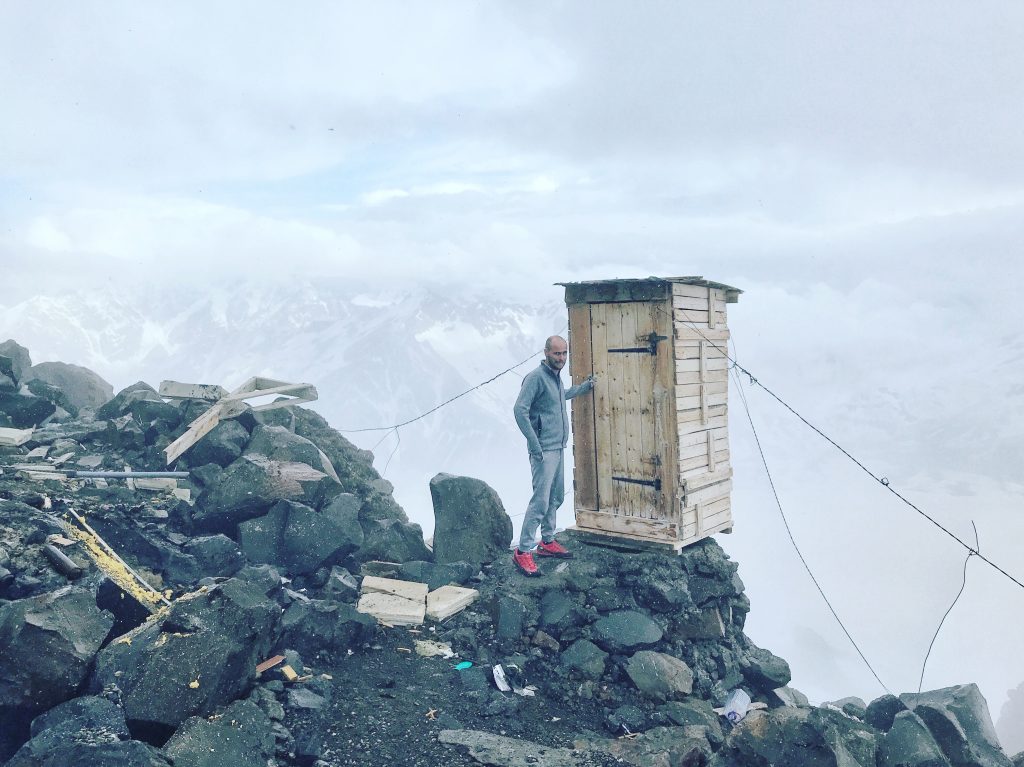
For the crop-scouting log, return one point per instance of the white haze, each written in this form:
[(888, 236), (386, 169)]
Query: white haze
[(397, 188)]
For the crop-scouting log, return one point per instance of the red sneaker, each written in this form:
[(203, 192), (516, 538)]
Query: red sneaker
[(524, 561), (553, 549)]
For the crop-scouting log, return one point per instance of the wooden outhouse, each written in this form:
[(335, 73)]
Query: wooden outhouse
[(651, 446)]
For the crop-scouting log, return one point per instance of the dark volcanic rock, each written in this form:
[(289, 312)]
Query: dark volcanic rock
[(222, 445), (322, 626), (909, 744), (122, 401), (22, 411), (881, 712), (625, 631), (280, 444), (46, 645), (92, 751), (660, 676), (84, 388), (301, 539), (392, 540), (959, 720), (798, 737), (215, 556), (52, 394), (72, 730), (470, 524), (241, 736), (586, 658), (20, 359), (764, 670), (202, 655), (250, 486)]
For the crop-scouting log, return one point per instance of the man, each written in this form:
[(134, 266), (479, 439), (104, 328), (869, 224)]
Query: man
[(540, 414)]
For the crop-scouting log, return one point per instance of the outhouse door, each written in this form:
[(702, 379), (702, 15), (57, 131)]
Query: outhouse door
[(625, 448)]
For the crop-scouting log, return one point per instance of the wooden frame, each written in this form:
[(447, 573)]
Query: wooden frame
[(651, 446), (229, 405)]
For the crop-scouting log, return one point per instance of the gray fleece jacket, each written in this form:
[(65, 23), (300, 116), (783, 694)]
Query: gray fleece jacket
[(540, 408)]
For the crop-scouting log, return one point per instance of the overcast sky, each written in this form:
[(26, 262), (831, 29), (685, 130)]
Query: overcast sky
[(858, 168)]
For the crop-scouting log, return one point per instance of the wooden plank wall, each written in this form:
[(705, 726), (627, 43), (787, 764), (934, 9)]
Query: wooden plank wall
[(701, 396), (584, 451)]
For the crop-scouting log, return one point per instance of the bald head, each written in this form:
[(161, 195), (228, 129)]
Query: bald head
[(556, 352)]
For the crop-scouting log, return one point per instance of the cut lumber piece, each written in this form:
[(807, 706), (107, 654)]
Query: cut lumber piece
[(37, 454), (269, 663), (177, 390), (155, 483), (14, 437), (448, 600), (393, 610), (405, 589)]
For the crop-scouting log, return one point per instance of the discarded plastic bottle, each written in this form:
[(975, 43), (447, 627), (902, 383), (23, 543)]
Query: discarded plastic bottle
[(736, 705)]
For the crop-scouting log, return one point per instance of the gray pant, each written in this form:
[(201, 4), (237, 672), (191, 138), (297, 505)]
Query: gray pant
[(548, 494)]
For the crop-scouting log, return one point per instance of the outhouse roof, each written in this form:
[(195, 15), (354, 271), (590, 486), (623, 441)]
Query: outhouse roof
[(642, 289)]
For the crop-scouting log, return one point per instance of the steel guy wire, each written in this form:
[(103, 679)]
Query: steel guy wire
[(883, 481), (796, 547), (977, 547)]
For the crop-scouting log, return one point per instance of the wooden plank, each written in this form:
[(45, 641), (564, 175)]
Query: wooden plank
[(689, 423), (697, 472), (647, 323), (198, 429), (693, 451), (692, 291), (689, 348), (707, 494), (584, 450), (393, 610), (407, 589), (699, 437), (692, 377), (14, 437), (633, 495), (713, 362), (620, 497), (177, 390), (690, 536), (712, 513), (711, 387), (665, 422), (703, 480), (701, 461), (602, 404), (626, 525), (684, 332), (697, 401), (446, 601), (624, 541), (698, 304)]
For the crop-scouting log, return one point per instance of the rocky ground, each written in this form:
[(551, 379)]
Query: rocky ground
[(626, 653)]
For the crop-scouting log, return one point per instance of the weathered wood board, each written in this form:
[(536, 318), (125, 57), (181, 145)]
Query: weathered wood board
[(446, 601)]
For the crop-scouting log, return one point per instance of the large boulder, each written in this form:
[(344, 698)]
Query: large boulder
[(909, 744), (959, 720), (122, 401), (280, 444), (53, 394), (321, 626), (660, 676), (222, 445), (242, 736), (625, 631), (47, 643), (20, 359), (23, 411), (585, 658), (391, 540), (798, 737), (764, 670), (250, 486), (84, 731), (470, 524), (83, 387), (200, 656), (300, 539)]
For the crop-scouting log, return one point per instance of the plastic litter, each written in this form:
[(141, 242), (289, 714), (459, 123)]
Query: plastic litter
[(463, 665), (736, 705), (499, 679)]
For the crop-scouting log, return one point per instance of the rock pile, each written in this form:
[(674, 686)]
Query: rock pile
[(260, 656)]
